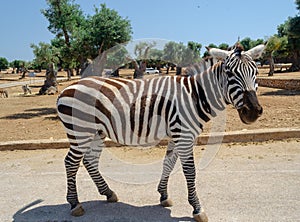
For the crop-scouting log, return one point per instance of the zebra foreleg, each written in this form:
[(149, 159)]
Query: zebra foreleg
[(187, 161), (91, 163), (168, 165)]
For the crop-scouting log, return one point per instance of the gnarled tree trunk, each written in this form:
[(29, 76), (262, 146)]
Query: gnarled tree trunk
[(139, 69), (50, 84), (272, 65), (296, 63)]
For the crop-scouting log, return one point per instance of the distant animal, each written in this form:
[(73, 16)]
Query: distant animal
[(3, 93), (140, 112), (26, 89)]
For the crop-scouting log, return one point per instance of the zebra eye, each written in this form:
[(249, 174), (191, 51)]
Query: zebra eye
[(229, 74)]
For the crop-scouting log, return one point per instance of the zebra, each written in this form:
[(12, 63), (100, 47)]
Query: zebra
[(140, 112)]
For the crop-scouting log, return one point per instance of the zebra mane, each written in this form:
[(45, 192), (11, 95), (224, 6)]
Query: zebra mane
[(238, 48), (201, 66)]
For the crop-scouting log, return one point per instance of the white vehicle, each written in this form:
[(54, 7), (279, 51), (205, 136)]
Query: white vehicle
[(151, 71)]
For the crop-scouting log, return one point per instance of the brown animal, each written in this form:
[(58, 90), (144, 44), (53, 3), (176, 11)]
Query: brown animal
[(3, 93), (26, 89)]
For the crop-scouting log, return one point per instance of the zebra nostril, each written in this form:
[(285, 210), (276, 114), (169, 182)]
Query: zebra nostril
[(260, 110)]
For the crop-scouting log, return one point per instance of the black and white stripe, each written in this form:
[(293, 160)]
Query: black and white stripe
[(140, 112)]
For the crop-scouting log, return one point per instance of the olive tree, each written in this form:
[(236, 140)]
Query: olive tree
[(106, 28), (64, 17), (3, 63), (47, 55)]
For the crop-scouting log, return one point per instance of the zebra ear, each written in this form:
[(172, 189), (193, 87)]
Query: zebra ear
[(218, 53), (256, 52)]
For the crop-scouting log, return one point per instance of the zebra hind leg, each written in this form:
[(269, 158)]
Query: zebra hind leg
[(91, 163), (168, 165), (72, 161)]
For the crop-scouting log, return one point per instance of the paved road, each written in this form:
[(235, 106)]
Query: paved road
[(252, 182)]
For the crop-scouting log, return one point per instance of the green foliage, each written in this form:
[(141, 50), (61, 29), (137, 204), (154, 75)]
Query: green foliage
[(282, 28), (246, 43), (142, 49), (256, 42), (194, 46), (45, 54), (3, 63), (156, 54), (80, 37), (282, 51), (297, 2), (171, 52), (107, 28), (293, 27), (223, 46), (180, 54), (212, 45), (289, 31), (117, 57), (274, 43), (16, 64), (63, 16)]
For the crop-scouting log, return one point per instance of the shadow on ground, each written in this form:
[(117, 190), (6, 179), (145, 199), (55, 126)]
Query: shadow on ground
[(31, 113), (96, 211), (282, 92)]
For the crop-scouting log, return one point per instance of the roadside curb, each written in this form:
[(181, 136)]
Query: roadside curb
[(258, 135)]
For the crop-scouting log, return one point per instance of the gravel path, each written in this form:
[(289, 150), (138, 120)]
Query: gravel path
[(244, 182)]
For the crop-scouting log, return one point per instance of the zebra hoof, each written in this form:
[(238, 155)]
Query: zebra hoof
[(113, 198), (77, 211), (201, 217), (166, 203)]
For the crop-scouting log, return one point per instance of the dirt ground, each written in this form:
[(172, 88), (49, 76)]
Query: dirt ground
[(244, 182), (34, 117)]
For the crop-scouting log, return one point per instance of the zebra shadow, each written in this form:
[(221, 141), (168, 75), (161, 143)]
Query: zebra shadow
[(35, 112), (98, 211)]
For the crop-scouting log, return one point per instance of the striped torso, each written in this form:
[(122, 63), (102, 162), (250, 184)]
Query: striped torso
[(139, 112)]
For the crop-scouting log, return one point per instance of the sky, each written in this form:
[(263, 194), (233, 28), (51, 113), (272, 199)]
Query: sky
[(203, 21)]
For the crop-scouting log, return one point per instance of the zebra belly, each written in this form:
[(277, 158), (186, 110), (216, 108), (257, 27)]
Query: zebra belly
[(127, 129)]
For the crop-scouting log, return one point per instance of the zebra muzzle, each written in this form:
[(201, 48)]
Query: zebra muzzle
[(251, 109)]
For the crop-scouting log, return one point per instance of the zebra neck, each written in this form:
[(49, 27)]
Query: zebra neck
[(209, 91)]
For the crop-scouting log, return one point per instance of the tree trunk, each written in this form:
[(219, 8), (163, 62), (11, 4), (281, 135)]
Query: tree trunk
[(178, 70), (296, 63), (116, 73), (272, 65), (69, 73), (168, 68), (50, 84), (102, 62), (139, 70)]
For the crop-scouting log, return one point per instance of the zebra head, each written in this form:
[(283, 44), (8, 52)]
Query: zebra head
[(238, 80)]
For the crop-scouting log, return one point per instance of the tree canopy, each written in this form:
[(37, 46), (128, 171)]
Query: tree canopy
[(79, 37), (3, 63)]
